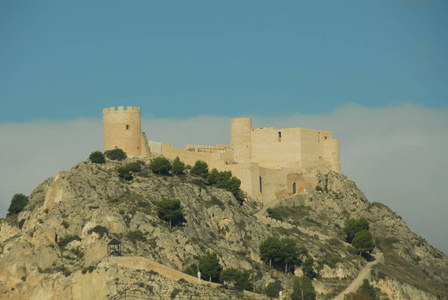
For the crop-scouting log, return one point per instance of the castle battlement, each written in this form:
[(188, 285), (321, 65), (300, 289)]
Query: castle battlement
[(121, 109), (271, 163)]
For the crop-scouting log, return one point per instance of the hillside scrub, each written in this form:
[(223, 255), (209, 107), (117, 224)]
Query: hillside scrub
[(353, 226), (177, 167), (97, 157), (224, 180), (200, 169), (240, 279), (116, 154), (126, 172), (210, 267), (281, 254), (160, 165), (170, 210), (18, 203)]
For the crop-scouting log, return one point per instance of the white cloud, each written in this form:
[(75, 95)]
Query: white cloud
[(396, 155)]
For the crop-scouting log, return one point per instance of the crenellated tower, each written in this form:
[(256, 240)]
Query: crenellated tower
[(122, 129)]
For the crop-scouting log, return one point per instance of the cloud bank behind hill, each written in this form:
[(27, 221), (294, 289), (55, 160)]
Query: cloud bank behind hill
[(396, 155)]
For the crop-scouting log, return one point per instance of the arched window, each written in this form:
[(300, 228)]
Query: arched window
[(294, 189)]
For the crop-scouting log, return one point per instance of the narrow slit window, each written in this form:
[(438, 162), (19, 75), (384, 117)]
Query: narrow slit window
[(294, 188), (261, 184), (279, 136), (127, 127)]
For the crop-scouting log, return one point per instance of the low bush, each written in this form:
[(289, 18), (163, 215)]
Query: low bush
[(18, 203), (116, 154), (97, 157)]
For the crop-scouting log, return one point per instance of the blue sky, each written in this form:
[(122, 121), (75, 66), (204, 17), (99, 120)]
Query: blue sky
[(67, 59), (373, 72)]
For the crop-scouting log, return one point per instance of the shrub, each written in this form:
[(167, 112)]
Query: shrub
[(63, 242), (353, 226), (272, 289), (160, 165), (174, 293), (281, 254), (363, 242), (303, 286), (224, 180), (274, 214), (101, 230), (308, 269), (191, 270), (18, 203), (170, 210), (241, 280), (116, 154), (97, 157), (124, 172), (210, 267), (178, 167), (135, 236), (200, 169)]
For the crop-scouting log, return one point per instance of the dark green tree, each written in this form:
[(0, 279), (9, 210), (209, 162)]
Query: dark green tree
[(224, 180), (272, 289), (363, 242), (303, 289), (240, 280), (352, 226), (281, 254), (18, 203), (192, 270), (135, 166), (200, 169), (178, 167), (116, 154), (307, 267), (210, 267), (170, 210), (97, 157), (124, 172), (160, 165)]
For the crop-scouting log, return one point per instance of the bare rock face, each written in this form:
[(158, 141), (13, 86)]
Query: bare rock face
[(57, 247)]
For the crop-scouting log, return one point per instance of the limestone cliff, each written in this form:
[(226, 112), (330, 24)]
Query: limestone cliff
[(51, 250)]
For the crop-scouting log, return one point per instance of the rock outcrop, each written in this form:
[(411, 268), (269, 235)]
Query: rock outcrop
[(52, 250)]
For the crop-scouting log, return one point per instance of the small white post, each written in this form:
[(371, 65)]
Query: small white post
[(199, 276)]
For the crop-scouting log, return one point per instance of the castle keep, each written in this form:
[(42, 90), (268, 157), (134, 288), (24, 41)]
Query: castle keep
[(271, 163)]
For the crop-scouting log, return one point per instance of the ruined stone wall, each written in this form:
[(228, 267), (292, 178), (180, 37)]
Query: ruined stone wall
[(213, 159), (122, 129)]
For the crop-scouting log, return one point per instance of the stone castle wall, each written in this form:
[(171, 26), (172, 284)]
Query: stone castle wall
[(271, 163)]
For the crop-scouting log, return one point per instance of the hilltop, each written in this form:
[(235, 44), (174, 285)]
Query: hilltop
[(57, 247)]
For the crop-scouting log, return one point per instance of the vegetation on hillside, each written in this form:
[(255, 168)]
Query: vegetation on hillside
[(18, 203), (281, 254), (358, 234), (116, 154), (97, 157), (170, 210), (200, 169), (160, 165)]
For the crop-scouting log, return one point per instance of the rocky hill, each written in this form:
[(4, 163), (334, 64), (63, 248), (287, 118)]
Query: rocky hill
[(57, 247)]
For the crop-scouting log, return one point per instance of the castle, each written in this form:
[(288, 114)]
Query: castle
[(271, 163)]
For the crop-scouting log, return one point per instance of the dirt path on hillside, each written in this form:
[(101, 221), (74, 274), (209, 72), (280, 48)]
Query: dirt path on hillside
[(364, 274), (141, 263)]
